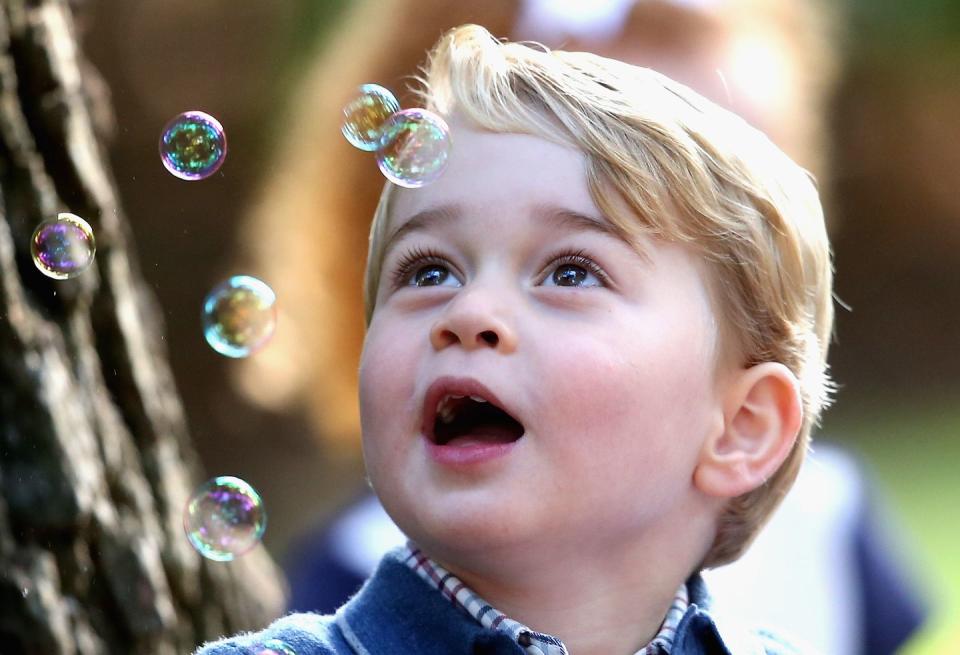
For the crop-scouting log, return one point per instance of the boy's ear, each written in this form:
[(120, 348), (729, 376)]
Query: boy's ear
[(762, 417)]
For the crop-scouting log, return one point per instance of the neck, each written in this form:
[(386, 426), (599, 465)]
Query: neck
[(598, 598)]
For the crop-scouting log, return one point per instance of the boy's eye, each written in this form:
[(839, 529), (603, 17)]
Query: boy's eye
[(568, 275), (430, 276), (572, 270), (421, 268)]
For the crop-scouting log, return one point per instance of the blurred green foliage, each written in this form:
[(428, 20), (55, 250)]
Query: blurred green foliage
[(895, 27), (314, 21), (913, 450)]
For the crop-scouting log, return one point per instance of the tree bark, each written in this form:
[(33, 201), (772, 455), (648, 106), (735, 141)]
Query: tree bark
[(95, 459)]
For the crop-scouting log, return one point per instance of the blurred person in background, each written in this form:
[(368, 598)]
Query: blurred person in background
[(771, 61)]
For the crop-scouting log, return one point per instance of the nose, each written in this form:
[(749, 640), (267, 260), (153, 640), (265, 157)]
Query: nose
[(476, 318)]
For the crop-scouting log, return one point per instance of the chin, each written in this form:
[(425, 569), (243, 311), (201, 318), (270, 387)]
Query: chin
[(461, 526)]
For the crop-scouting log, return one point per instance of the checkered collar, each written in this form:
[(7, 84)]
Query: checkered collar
[(533, 642)]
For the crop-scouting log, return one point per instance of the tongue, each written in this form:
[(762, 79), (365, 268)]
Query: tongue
[(484, 434)]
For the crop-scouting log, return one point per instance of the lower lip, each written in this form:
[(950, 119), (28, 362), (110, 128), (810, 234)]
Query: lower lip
[(469, 454)]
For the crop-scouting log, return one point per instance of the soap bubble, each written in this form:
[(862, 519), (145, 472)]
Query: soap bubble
[(193, 145), (275, 647), (365, 115), (413, 147), (225, 518), (239, 316), (63, 247)]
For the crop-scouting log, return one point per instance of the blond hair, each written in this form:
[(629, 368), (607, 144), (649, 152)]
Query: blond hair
[(689, 172)]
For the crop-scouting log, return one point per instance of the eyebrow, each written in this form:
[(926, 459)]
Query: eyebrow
[(558, 217), (421, 221)]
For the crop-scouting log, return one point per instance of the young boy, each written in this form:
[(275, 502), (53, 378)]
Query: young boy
[(596, 347)]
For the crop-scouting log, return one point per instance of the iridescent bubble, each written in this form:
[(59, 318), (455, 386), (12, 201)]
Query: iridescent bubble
[(63, 247), (193, 145), (413, 147), (225, 518), (365, 115), (239, 316), (275, 647)]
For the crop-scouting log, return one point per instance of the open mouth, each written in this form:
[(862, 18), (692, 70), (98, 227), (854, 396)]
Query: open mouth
[(464, 420)]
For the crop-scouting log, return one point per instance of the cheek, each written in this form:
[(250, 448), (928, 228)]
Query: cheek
[(637, 395), (386, 381), (381, 389)]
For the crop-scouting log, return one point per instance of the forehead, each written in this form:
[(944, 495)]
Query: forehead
[(487, 171)]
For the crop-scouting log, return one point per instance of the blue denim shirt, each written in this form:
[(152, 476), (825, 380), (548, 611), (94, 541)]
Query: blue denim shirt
[(397, 613)]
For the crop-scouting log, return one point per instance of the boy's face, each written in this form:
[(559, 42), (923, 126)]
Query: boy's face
[(611, 375)]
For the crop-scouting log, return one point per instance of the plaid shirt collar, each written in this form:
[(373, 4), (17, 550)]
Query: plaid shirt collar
[(534, 643)]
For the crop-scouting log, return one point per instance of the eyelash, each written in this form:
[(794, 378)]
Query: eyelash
[(418, 256)]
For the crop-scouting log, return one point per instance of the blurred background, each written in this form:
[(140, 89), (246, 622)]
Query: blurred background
[(889, 165)]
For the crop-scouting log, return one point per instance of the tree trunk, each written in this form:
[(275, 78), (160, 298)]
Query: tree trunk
[(95, 460)]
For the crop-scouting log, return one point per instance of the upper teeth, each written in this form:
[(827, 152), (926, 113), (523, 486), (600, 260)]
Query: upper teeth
[(445, 408)]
